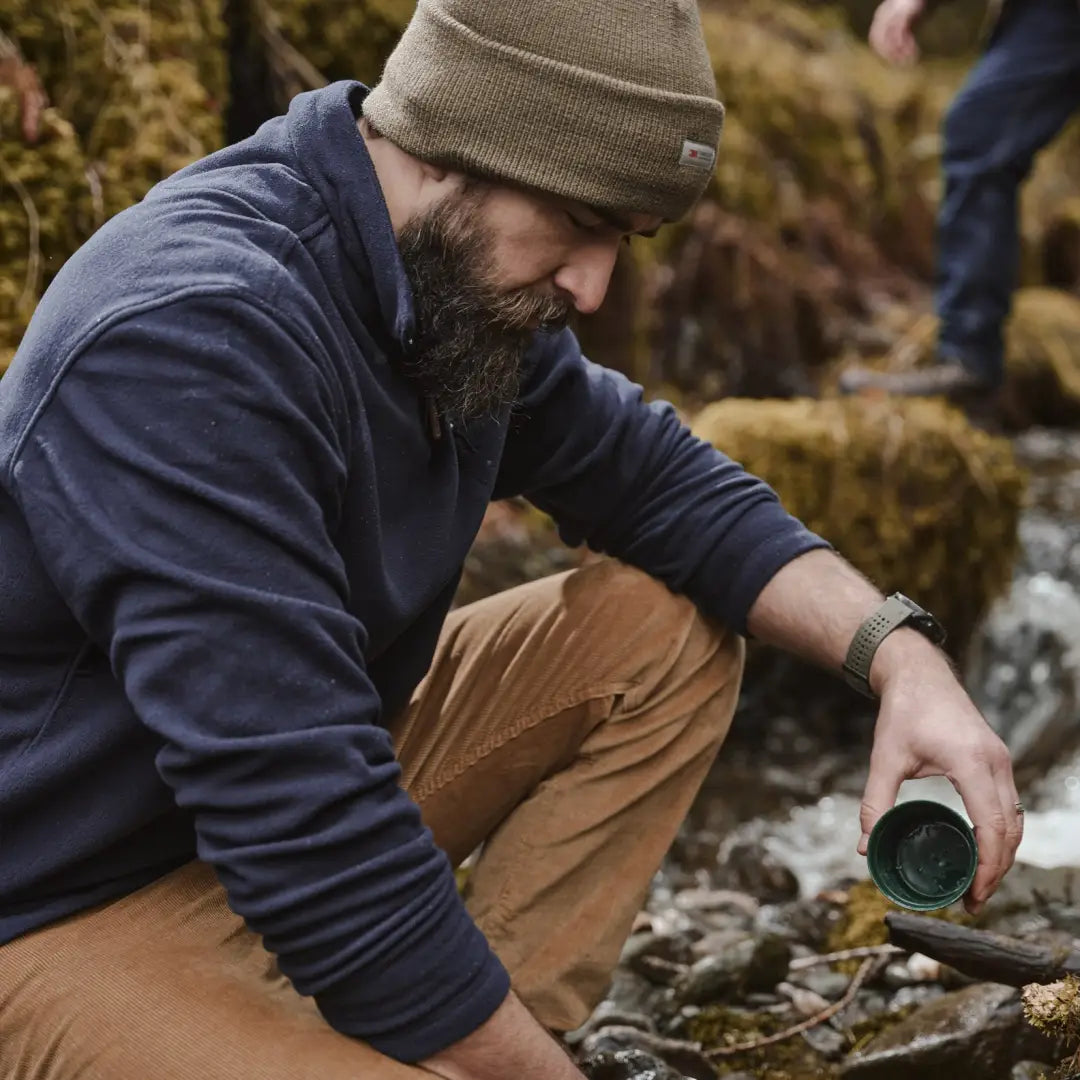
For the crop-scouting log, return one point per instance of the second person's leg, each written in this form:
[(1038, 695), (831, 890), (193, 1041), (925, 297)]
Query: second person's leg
[(1016, 100)]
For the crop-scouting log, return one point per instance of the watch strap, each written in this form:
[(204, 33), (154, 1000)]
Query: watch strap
[(860, 655)]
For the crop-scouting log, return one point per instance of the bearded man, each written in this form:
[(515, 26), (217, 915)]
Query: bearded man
[(244, 448)]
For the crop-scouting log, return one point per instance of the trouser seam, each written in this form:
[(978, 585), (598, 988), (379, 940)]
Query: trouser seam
[(505, 735)]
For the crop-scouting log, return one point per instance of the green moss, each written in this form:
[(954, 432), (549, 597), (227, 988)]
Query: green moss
[(157, 122), (1055, 1010), (344, 41), (867, 1030), (908, 490), (863, 923), (791, 1059), (46, 211), (143, 82), (83, 48), (779, 78)]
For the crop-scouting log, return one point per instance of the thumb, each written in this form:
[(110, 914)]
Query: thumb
[(882, 787)]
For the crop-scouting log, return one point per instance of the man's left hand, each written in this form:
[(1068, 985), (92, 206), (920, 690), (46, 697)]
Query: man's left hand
[(928, 726)]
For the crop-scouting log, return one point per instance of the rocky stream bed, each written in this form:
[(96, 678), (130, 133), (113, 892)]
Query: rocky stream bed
[(764, 881)]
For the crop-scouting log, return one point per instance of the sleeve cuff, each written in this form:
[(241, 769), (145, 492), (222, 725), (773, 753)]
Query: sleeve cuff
[(448, 984)]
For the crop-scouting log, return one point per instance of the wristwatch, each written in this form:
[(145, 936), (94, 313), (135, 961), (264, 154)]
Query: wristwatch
[(896, 611)]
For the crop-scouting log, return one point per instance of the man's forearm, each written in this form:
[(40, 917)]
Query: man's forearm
[(814, 605)]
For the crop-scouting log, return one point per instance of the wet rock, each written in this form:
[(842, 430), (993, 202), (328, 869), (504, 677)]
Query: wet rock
[(1027, 890), (1064, 917), (660, 958), (916, 996), (1025, 668), (716, 942), (1028, 1070), (827, 1041), (685, 1058), (809, 922), (632, 993), (626, 1065), (713, 978), (868, 1005), (978, 1031), (915, 969), (750, 867), (752, 965), (829, 984), (609, 1014), (806, 1002), (727, 902)]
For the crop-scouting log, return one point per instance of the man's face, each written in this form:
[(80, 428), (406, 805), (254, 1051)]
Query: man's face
[(491, 266)]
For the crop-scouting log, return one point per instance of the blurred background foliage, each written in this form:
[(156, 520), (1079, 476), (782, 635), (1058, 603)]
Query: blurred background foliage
[(813, 247)]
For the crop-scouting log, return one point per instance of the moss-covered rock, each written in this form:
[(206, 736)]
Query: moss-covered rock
[(343, 41), (778, 79), (1042, 347), (862, 921), (83, 48), (46, 211), (719, 1027), (1054, 1009), (143, 82), (909, 491)]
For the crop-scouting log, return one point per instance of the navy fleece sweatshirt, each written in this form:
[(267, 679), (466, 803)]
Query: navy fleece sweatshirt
[(228, 540)]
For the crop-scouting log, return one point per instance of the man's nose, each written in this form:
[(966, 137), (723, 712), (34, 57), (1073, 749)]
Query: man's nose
[(586, 275)]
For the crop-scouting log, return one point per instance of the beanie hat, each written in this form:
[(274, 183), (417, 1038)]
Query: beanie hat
[(608, 102)]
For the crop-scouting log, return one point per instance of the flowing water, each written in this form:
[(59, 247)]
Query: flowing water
[(1025, 674)]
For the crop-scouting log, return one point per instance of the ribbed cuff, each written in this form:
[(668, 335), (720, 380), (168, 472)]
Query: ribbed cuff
[(427, 1000)]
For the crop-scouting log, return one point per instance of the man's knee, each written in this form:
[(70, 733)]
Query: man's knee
[(674, 643)]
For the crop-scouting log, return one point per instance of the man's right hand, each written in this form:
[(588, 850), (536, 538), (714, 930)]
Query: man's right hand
[(510, 1045), (892, 33)]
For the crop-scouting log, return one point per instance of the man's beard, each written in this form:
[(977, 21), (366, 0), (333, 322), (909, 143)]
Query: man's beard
[(471, 339)]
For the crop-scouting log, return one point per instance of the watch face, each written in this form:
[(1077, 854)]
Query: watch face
[(926, 623)]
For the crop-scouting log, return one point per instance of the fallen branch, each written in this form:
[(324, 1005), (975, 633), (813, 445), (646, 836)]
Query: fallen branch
[(869, 967), (857, 953), (981, 954)]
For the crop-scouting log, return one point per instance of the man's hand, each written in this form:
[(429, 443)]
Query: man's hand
[(892, 33), (928, 726), (511, 1045)]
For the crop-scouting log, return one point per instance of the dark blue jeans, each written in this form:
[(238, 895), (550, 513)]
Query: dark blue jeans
[(1017, 98)]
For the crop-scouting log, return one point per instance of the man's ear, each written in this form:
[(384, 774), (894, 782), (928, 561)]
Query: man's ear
[(437, 173)]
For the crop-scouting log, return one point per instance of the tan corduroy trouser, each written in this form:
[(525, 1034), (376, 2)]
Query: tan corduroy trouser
[(565, 726)]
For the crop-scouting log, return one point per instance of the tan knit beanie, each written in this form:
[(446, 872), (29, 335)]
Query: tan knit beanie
[(610, 102)]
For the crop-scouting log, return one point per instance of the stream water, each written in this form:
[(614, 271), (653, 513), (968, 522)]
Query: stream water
[(1025, 674)]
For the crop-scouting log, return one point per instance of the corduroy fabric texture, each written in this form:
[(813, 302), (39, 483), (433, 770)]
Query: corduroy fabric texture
[(610, 102)]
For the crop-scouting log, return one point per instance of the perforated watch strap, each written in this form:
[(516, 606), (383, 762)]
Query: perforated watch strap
[(868, 637)]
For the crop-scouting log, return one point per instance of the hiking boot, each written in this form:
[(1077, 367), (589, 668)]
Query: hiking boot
[(948, 380)]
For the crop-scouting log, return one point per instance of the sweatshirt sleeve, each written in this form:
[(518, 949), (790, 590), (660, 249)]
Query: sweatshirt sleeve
[(182, 484), (630, 480)]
